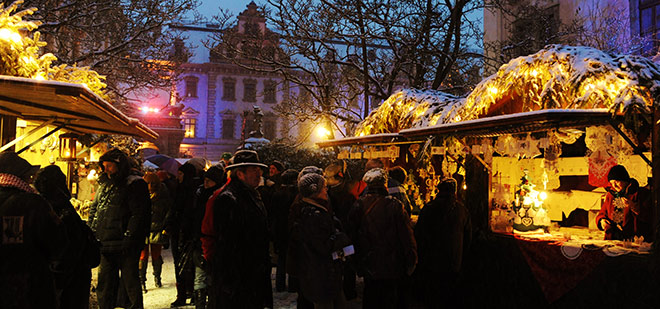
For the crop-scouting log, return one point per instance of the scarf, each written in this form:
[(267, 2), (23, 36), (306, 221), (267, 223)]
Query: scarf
[(13, 181)]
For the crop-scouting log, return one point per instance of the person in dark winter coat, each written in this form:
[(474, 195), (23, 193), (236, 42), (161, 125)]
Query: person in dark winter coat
[(341, 201), (443, 232), (240, 265), (385, 244), (73, 284), (161, 209), (214, 178), (181, 231), (33, 237), (397, 176), (120, 215), (626, 211), (283, 197), (320, 235), (293, 259)]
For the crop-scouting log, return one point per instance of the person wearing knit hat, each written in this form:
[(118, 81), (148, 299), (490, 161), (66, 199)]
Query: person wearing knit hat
[(375, 177), (618, 172), (319, 235), (215, 173), (33, 239), (294, 219), (385, 245), (626, 211), (311, 185), (309, 169)]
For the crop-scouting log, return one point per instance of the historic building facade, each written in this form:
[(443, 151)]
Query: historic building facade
[(521, 31), (215, 98)]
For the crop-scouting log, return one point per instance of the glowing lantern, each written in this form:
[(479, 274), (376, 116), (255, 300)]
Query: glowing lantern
[(68, 146)]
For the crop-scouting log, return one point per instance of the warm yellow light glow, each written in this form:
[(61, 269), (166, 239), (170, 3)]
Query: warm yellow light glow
[(464, 187), (39, 76), (8, 35), (322, 132), (534, 73), (493, 90), (543, 196)]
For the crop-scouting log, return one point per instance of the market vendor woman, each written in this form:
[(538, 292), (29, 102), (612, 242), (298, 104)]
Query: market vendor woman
[(626, 211)]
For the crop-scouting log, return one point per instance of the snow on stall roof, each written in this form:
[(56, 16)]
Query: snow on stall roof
[(557, 77), (410, 108), (569, 77)]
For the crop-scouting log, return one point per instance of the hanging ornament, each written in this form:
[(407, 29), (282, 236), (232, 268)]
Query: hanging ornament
[(600, 163), (528, 147), (569, 136), (504, 145)]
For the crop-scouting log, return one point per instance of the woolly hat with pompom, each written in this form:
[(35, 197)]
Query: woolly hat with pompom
[(310, 184)]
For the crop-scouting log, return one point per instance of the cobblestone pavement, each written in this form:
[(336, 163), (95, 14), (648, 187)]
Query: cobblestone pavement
[(160, 298)]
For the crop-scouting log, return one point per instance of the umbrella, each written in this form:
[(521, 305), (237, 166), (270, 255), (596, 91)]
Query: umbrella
[(165, 163), (199, 163)]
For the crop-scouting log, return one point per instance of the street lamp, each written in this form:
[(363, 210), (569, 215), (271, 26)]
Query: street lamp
[(322, 132)]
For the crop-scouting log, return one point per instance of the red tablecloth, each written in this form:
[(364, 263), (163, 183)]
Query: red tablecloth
[(555, 273)]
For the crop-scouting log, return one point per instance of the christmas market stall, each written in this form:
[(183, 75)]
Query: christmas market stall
[(49, 110), (43, 121), (534, 144)]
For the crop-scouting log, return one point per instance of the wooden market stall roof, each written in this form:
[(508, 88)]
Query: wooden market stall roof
[(72, 106), (358, 140), (533, 121)]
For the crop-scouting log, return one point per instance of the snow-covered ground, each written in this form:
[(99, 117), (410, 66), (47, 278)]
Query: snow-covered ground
[(161, 298)]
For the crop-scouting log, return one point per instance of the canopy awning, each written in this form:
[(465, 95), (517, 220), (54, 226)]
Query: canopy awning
[(533, 121), (367, 139), (526, 122), (72, 106)]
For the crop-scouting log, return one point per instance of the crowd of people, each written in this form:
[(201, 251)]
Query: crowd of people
[(223, 224)]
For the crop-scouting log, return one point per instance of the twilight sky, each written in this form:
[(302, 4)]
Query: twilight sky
[(208, 8)]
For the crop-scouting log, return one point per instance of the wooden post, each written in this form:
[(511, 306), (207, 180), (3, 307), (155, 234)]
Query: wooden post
[(7, 130), (655, 187)]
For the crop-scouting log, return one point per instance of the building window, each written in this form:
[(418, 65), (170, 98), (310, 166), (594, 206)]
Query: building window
[(270, 92), (229, 89), (534, 29), (189, 126), (649, 24), (191, 86), (249, 90), (228, 128), (269, 129)]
